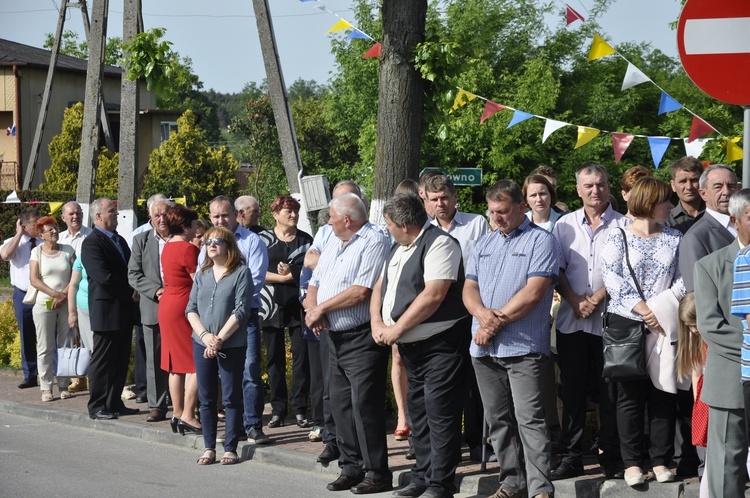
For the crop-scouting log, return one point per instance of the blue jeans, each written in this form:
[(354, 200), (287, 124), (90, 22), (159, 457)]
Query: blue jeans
[(252, 385), (209, 372), (28, 334)]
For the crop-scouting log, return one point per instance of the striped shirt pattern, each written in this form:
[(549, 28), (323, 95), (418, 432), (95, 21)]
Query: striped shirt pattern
[(501, 265), (741, 304), (359, 262)]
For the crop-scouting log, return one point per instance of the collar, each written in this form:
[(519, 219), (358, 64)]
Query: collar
[(459, 219), (606, 216), (104, 231), (159, 237), (515, 233), (426, 226), (723, 219)]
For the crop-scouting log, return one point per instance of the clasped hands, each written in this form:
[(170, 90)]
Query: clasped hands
[(316, 320), (490, 322), (213, 345), (384, 335)]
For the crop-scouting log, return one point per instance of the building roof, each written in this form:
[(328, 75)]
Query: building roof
[(12, 53)]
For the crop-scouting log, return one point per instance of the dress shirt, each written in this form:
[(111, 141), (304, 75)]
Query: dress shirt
[(359, 262), (501, 265), (681, 220), (724, 220), (74, 240), (467, 229), (143, 228), (581, 261), (19, 263)]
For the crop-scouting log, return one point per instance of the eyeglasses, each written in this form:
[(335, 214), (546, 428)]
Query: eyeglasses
[(217, 241)]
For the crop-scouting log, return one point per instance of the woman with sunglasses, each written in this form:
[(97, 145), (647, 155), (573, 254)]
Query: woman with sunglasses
[(49, 271), (219, 306)]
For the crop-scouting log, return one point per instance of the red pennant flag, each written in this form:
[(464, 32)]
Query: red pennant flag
[(572, 16), (490, 108), (699, 128), (373, 52), (620, 143)]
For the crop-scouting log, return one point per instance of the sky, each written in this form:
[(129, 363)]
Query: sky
[(221, 37)]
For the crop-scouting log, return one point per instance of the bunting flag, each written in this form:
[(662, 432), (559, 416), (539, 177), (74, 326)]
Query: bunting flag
[(585, 135), (620, 143), (633, 77), (518, 117), (699, 128), (180, 200), (695, 148), (550, 127), (599, 49), (303, 1), (734, 151), (340, 25), (54, 206), (462, 99), (572, 16), (490, 108), (658, 148), (357, 34), (373, 52), (11, 131), (668, 104), (12, 198), (325, 9)]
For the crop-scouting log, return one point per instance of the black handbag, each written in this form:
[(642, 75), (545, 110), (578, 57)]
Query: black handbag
[(624, 341)]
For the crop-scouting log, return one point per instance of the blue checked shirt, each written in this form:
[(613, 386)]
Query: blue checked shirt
[(501, 265), (741, 304)]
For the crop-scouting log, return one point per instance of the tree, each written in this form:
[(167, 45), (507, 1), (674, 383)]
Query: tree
[(185, 166), (71, 45)]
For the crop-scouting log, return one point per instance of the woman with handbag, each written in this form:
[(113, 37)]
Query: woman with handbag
[(640, 264), (49, 272)]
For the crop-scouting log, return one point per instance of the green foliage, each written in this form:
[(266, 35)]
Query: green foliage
[(184, 165), (70, 45), (10, 339)]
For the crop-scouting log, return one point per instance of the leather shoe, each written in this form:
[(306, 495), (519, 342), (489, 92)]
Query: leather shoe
[(276, 421), (330, 453), (141, 398), (565, 471), (410, 490), (27, 383), (371, 485), (124, 410), (614, 471), (156, 415), (344, 482), (103, 415)]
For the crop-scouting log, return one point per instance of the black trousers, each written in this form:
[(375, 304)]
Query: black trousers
[(276, 367), (139, 372), (316, 381), (108, 370), (580, 358), (685, 453), (436, 370), (357, 390), (329, 432)]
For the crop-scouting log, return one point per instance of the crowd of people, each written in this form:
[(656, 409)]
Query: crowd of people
[(495, 322)]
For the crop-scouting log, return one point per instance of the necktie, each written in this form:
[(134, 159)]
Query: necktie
[(116, 239), (33, 242)]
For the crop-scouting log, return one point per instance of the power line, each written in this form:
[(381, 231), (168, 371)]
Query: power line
[(210, 16)]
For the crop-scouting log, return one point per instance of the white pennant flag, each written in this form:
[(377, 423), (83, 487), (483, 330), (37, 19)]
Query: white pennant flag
[(550, 127), (324, 9), (633, 77), (695, 148), (12, 198)]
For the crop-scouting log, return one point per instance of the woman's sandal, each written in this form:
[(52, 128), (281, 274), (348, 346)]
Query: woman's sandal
[(229, 458), (207, 460), (47, 395)]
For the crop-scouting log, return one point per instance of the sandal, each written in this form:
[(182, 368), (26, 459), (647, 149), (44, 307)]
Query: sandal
[(207, 460), (47, 395), (229, 458)]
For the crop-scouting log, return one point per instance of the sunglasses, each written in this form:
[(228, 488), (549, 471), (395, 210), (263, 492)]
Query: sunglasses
[(217, 241)]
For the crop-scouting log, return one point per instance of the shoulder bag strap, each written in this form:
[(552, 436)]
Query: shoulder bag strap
[(627, 260)]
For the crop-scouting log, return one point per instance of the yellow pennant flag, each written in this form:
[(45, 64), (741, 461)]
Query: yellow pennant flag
[(585, 135), (734, 151), (141, 202), (339, 26), (180, 200), (462, 99), (599, 49), (54, 207)]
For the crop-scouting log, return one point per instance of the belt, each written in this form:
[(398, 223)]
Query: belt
[(20, 289), (358, 328)]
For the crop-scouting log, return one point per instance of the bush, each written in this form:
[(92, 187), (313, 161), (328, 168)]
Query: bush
[(10, 339)]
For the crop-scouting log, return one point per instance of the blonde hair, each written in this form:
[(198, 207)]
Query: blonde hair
[(690, 354), (234, 256)]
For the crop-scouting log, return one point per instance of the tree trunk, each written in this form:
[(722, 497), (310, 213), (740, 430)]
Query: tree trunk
[(400, 100)]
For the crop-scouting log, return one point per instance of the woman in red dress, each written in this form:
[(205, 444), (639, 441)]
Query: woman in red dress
[(179, 260)]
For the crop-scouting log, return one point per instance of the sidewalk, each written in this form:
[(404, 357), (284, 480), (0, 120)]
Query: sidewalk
[(291, 448)]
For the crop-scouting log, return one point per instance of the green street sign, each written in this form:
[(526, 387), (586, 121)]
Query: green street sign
[(462, 177)]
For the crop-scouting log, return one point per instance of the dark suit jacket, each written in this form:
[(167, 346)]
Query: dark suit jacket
[(111, 303), (703, 238), (714, 276), (144, 274)]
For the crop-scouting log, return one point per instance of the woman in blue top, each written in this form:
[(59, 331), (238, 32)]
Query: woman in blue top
[(78, 304), (219, 305)]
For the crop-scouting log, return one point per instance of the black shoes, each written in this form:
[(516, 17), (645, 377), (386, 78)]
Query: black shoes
[(410, 490), (566, 471), (27, 383), (141, 398), (275, 422), (124, 410), (371, 485), (103, 415), (303, 423), (330, 453), (613, 471), (475, 454), (184, 427), (344, 482)]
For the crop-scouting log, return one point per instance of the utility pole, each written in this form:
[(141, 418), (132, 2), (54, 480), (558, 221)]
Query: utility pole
[(92, 106)]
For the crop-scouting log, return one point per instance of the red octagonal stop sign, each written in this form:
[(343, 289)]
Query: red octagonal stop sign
[(713, 38)]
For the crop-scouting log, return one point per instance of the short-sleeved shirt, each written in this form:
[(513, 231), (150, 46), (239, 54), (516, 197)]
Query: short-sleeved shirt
[(467, 229), (580, 259), (501, 265), (681, 220), (54, 270), (74, 240), (82, 296), (19, 263), (359, 262), (741, 305)]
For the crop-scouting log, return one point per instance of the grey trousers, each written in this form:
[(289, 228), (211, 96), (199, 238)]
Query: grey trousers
[(726, 453), (511, 390), (157, 380)]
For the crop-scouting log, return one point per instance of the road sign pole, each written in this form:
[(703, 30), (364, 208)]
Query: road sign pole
[(746, 148)]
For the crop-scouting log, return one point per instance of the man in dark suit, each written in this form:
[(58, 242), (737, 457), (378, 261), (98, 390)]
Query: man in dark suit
[(722, 389), (714, 230), (144, 274), (112, 309)]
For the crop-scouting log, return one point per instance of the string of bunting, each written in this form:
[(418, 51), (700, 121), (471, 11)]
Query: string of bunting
[(55, 206)]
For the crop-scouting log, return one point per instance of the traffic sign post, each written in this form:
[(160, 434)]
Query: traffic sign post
[(461, 177), (713, 39)]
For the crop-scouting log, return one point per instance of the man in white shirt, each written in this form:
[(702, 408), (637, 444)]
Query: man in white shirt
[(72, 215)]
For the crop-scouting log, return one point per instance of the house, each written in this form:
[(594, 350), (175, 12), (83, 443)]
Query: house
[(23, 74)]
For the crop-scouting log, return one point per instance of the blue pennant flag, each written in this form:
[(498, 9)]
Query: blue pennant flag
[(518, 117), (357, 34), (658, 148), (668, 104)]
